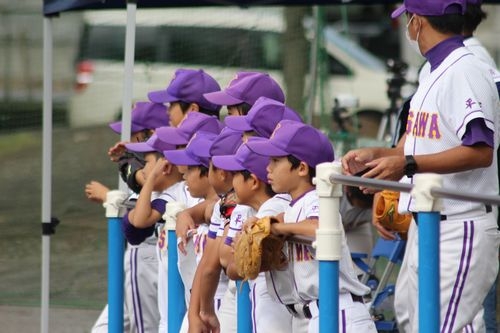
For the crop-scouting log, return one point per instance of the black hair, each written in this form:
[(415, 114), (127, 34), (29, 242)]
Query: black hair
[(447, 24), (243, 108), (203, 169), (185, 108), (295, 162), (474, 15), (269, 190)]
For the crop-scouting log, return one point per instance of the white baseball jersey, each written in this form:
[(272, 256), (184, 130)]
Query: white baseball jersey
[(303, 275), (439, 113), (179, 193)]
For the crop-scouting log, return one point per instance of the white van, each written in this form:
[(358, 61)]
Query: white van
[(222, 41)]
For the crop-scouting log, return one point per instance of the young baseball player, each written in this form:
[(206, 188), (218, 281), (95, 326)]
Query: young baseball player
[(294, 150), (146, 116), (244, 90), (451, 130), (252, 189), (185, 94)]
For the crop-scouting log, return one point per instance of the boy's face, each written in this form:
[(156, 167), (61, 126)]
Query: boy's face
[(280, 174), (151, 159), (216, 179), (197, 185), (242, 188), (175, 114)]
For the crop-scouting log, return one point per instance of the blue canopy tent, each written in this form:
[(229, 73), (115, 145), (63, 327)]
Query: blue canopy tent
[(53, 8)]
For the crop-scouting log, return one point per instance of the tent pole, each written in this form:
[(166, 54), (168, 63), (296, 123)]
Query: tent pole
[(46, 171)]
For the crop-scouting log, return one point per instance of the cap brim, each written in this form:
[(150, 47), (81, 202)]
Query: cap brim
[(398, 12), (227, 162), (140, 147), (180, 157), (161, 96), (266, 148), (221, 98), (117, 127), (171, 135), (238, 123)]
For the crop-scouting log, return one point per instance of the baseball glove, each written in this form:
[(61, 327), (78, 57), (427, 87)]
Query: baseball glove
[(386, 213), (257, 250)]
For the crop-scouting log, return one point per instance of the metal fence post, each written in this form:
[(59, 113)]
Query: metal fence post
[(328, 245), (116, 243), (428, 209), (176, 305), (244, 307)]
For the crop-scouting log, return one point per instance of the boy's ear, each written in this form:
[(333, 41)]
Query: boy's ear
[(303, 169), (168, 169), (255, 182), (194, 107)]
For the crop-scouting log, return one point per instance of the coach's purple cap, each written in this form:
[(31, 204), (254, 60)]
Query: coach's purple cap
[(431, 7), (247, 87), (300, 140), (145, 115), (262, 118), (154, 143), (188, 155), (192, 123), (244, 159), (188, 85)]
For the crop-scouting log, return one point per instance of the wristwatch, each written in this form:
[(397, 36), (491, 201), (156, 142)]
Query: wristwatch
[(410, 166)]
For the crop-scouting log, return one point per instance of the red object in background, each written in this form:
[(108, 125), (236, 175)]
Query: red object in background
[(84, 71)]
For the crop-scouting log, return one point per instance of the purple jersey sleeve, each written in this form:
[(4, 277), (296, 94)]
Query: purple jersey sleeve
[(159, 205), (477, 132), (133, 234)]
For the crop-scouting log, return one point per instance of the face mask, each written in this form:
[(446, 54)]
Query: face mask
[(413, 43)]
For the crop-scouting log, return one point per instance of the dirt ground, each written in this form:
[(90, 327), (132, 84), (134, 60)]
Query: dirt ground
[(78, 271)]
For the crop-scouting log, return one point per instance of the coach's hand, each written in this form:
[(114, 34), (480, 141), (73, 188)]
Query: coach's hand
[(386, 168), (356, 160)]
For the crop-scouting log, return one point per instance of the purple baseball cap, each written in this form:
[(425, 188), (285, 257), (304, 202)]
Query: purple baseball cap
[(188, 85), (431, 7), (262, 118), (226, 143), (247, 87), (188, 155), (145, 115), (244, 159), (300, 140), (192, 123), (154, 143)]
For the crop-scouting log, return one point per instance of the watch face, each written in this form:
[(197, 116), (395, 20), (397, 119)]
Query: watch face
[(410, 166)]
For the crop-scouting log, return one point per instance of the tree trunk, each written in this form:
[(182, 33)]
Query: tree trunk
[(295, 52)]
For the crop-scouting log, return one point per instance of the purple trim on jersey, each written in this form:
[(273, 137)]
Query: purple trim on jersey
[(498, 87), (133, 283), (212, 234), (461, 276), (274, 287), (300, 197), (134, 235), (158, 205), (440, 51), (254, 305), (477, 132), (228, 241), (342, 313), (141, 320)]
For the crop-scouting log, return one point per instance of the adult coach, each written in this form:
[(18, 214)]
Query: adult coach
[(452, 130)]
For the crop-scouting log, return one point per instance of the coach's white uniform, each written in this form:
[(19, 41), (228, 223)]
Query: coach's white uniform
[(459, 90), (299, 284)]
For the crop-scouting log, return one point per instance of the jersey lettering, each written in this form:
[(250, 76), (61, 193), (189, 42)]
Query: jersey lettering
[(302, 253), (419, 125)]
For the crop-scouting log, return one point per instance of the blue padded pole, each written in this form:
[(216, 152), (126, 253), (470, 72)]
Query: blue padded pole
[(115, 274), (176, 304), (428, 269), (244, 307), (329, 296)]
